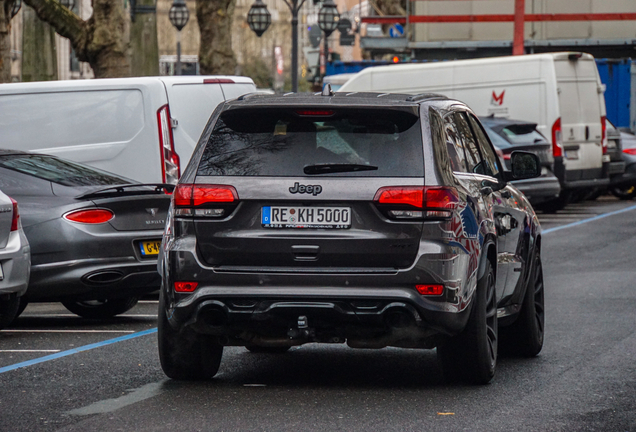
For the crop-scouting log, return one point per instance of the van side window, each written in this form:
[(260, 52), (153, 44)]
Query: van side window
[(454, 146), (487, 152), (473, 158)]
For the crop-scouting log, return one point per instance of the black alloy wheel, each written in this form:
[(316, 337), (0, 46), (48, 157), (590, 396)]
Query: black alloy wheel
[(100, 309), (184, 354), (525, 336), (624, 193), (471, 356)]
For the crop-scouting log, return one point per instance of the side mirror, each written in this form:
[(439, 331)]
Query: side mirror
[(525, 165)]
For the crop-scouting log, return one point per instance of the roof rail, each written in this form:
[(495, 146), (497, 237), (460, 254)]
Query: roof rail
[(422, 96)]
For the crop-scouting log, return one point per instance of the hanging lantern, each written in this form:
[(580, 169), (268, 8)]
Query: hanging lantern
[(259, 18)]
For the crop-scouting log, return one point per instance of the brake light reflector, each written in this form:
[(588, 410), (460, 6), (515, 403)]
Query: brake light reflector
[(430, 290), (604, 134), (16, 215), (90, 216), (170, 164), (557, 138), (185, 286)]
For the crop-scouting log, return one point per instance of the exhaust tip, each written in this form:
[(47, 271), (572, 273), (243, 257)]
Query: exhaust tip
[(213, 317), (103, 277), (398, 318)]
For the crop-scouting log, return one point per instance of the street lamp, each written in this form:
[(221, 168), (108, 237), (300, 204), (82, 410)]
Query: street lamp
[(258, 18), (68, 4), (328, 18), (179, 16), (17, 4)]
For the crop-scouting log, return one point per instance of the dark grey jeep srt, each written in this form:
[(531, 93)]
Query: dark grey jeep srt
[(368, 219)]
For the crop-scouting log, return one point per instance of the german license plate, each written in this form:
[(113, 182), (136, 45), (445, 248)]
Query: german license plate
[(306, 217), (572, 154), (150, 248)]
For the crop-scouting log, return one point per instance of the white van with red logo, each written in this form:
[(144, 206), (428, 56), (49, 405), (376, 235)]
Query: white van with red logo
[(561, 92), (142, 128)]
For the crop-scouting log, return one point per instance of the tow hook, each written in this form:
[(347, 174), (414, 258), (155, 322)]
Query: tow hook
[(302, 331)]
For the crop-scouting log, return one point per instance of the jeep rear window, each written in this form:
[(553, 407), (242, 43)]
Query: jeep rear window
[(284, 142)]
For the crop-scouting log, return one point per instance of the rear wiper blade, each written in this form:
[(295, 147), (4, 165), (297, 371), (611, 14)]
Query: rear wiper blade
[(337, 168), (129, 189)]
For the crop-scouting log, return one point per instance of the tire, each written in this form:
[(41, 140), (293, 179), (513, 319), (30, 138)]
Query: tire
[(8, 311), (100, 309), (471, 356), (525, 336), (23, 304), (186, 355), (267, 350), (624, 193)]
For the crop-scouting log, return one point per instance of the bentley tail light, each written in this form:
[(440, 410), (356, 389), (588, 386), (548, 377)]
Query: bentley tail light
[(90, 216)]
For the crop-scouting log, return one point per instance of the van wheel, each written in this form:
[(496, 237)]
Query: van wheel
[(624, 193), (8, 311), (524, 337), (267, 349), (185, 355), (471, 356), (100, 309)]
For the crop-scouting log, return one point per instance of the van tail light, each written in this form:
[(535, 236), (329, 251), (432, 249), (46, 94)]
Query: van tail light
[(218, 199), (604, 134), (417, 202), (170, 164), (557, 138), (90, 216), (16, 216)]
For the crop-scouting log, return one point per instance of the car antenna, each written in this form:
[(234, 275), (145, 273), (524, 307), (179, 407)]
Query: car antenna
[(326, 90)]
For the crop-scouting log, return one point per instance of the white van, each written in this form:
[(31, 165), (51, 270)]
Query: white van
[(561, 92), (143, 128)]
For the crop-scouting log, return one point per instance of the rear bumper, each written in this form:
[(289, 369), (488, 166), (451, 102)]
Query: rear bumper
[(627, 178), (582, 178), (91, 279), (15, 259)]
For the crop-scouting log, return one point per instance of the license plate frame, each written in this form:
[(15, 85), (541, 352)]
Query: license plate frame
[(149, 248), (302, 217)]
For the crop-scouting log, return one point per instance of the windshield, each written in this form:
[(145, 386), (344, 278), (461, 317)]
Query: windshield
[(282, 142)]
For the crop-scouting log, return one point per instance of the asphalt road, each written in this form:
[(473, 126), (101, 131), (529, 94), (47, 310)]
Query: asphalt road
[(105, 375)]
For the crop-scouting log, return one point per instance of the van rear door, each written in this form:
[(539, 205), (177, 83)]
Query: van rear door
[(577, 81)]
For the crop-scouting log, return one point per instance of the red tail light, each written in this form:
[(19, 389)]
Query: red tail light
[(90, 216), (185, 286), (432, 290), (604, 134), (557, 138), (630, 151), (170, 164), (315, 113), (193, 195), (434, 201), (218, 81), (16, 215)]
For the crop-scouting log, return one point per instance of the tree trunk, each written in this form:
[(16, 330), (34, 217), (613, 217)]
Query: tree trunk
[(5, 40), (39, 56), (215, 18), (102, 40), (144, 60)]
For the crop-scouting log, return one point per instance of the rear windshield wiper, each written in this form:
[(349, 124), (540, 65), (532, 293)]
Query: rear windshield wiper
[(327, 168), (129, 189)]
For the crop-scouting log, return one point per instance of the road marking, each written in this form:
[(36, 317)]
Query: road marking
[(29, 351), (110, 405), (64, 331), (584, 221), (76, 350)]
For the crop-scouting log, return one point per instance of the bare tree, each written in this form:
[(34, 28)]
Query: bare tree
[(102, 40), (5, 41), (215, 18)]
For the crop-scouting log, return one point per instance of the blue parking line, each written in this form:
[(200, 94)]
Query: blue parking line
[(76, 350), (584, 221)]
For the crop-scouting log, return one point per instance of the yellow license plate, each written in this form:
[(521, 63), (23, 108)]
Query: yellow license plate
[(150, 248)]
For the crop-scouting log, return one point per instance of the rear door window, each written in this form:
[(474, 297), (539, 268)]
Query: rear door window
[(487, 152), (298, 142), (455, 146), (473, 158)]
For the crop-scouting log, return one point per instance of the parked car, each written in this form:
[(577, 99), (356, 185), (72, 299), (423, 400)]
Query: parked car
[(142, 128), (94, 235), (511, 135), (15, 260), (624, 185), (375, 220)]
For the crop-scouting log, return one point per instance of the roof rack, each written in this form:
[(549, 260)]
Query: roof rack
[(422, 96)]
